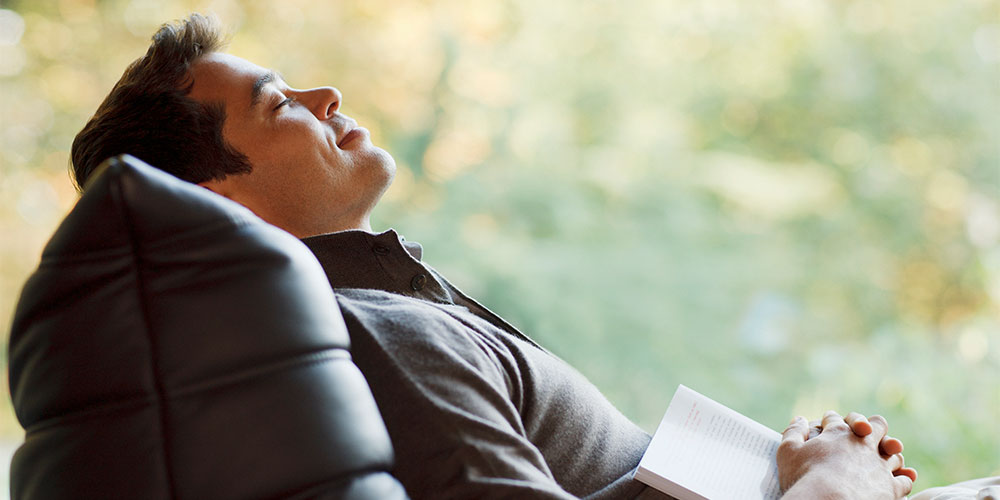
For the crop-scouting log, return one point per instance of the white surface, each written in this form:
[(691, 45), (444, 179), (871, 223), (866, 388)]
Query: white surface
[(704, 450), (7, 449)]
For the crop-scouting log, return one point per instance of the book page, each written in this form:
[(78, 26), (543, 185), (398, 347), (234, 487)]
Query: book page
[(703, 449)]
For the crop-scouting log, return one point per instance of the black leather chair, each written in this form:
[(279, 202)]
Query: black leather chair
[(173, 345)]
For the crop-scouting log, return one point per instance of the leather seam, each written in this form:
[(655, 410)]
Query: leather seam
[(330, 354), (235, 223), (154, 362), (89, 413), (342, 480), (62, 260)]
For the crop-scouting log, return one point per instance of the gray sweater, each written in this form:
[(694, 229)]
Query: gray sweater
[(475, 409)]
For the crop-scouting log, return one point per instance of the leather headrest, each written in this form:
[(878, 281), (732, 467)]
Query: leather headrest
[(173, 345)]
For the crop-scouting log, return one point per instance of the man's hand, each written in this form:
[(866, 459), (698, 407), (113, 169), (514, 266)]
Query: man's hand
[(838, 462), (888, 446)]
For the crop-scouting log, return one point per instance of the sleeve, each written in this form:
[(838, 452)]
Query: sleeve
[(987, 488), (447, 402)]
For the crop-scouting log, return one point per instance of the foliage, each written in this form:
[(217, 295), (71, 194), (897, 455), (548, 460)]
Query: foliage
[(789, 205)]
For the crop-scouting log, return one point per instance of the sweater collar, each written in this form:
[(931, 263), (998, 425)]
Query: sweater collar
[(383, 261)]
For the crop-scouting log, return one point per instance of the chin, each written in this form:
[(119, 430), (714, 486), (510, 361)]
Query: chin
[(382, 171), (387, 164)]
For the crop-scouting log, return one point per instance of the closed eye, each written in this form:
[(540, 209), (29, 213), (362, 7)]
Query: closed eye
[(287, 100)]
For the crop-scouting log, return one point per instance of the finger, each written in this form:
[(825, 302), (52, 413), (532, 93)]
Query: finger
[(796, 433), (858, 423), (879, 428), (903, 485), (833, 421), (813, 432), (909, 472), (890, 446), (895, 462), (815, 427)]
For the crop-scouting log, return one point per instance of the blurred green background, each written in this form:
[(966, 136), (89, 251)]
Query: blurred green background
[(788, 205)]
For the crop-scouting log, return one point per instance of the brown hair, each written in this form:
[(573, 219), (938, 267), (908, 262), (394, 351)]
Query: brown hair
[(148, 114)]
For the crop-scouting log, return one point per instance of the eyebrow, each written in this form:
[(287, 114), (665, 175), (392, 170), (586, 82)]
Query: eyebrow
[(258, 86)]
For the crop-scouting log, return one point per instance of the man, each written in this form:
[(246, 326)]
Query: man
[(475, 408)]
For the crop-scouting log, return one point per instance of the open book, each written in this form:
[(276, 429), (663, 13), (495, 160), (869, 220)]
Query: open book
[(704, 450)]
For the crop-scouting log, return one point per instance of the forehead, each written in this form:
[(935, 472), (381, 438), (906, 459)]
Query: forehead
[(224, 78)]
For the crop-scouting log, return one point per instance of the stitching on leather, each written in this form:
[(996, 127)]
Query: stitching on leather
[(233, 222), (104, 409), (236, 223), (63, 260), (90, 412), (341, 483), (160, 396), (301, 361)]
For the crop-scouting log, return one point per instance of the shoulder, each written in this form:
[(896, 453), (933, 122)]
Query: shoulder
[(392, 312), (413, 331)]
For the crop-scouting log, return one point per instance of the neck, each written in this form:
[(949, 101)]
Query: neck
[(363, 224)]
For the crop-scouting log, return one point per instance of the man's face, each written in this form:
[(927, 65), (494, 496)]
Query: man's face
[(314, 170)]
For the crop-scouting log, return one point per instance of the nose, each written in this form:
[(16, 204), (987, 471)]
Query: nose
[(322, 101)]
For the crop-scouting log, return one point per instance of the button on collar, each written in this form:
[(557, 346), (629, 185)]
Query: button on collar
[(418, 282)]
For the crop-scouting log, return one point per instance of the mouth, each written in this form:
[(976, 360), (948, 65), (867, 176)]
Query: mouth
[(352, 135)]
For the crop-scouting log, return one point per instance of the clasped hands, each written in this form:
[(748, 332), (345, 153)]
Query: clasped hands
[(850, 457)]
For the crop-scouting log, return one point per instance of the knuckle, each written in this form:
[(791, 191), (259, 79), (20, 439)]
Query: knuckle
[(907, 485), (838, 426), (786, 446)]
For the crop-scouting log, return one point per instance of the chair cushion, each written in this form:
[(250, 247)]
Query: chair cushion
[(173, 345)]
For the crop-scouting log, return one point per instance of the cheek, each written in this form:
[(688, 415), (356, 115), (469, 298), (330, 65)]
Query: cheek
[(261, 145), (261, 151), (302, 147)]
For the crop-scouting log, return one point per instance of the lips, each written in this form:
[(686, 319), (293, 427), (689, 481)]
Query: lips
[(352, 135)]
